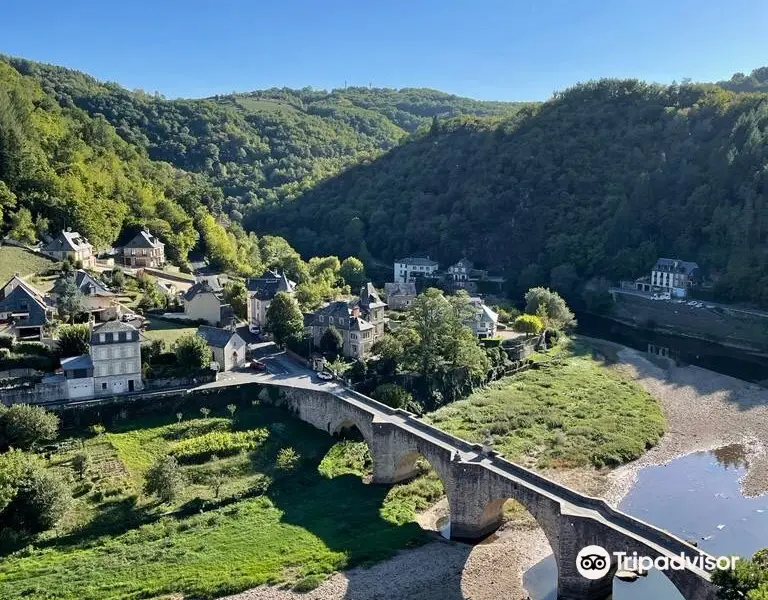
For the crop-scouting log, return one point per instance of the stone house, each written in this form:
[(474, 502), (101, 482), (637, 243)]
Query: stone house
[(399, 295), (142, 250), (98, 300), (78, 376), (357, 333), (411, 268), (70, 244), (116, 356), (227, 346), (485, 321), (261, 291), (24, 309), (204, 302), (372, 309), (674, 276)]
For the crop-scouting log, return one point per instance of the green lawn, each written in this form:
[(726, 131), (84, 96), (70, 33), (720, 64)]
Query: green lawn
[(267, 526), (168, 331), (17, 260), (574, 411)]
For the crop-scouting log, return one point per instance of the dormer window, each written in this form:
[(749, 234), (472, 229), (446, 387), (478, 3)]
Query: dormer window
[(102, 337), (320, 318), (330, 320)]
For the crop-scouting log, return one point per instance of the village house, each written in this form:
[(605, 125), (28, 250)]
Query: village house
[(227, 346), (98, 301), (71, 245), (24, 310), (141, 251), (204, 302), (411, 268), (399, 295), (261, 291), (372, 309), (674, 276), (485, 321), (461, 272), (357, 334), (77, 377), (116, 357)]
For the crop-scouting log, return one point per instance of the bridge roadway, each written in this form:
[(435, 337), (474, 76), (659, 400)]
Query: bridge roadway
[(477, 480)]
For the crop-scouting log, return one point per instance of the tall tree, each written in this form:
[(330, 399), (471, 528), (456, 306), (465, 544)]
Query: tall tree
[(284, 319), (70, 298), (353, 272), (74, 340)]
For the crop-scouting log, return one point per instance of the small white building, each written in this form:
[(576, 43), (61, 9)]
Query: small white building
[(116, 356), (227, 345), (485, 322), (78, 376), (411, 268)]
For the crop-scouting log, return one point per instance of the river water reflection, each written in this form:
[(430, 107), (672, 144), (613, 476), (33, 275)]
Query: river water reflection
[(696, 497)]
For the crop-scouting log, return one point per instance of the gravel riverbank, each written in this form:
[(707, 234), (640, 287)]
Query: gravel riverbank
[(704, 410)]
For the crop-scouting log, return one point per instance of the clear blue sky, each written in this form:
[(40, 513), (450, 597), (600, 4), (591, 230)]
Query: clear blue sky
[(489, 49)]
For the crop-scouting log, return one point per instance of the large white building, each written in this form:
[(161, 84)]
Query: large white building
[(411, 268), (116, 357), (674, 276)]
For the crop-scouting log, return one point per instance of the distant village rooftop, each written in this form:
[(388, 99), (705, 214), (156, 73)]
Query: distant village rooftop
[(418, 261)]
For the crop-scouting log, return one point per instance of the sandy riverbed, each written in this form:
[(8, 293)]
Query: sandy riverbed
[(704, 410)]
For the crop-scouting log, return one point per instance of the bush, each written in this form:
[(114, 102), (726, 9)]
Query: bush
[(6, 341), (192, 353), (23, 426), (287, 459), (164, 479), (81, 463), (392, 395), (529, 324), (4, 353), (36, 348), (220, 443)]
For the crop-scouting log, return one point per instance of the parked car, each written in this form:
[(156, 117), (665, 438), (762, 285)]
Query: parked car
[(128, 317), (324, 375), (257, 365)]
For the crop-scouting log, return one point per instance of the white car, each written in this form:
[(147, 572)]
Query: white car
[(692, 303), (325, 376)]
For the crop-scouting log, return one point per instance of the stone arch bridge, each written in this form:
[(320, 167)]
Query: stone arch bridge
[(478, 481)]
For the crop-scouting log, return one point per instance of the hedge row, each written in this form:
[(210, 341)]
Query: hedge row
[(220, 443)]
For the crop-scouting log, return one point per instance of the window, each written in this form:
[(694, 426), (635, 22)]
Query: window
[(320, 318), (354, 349), (330, 320), (104, 386), (102, 337)]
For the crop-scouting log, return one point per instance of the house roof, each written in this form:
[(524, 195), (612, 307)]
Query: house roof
[(369, 297), (417, 260), (25, 299), (400, 289), (216, 336), (113, 327), (269, 284), (201, 287), (487, 314), (18, 281), (465, 263), (90, 286), (77, 362), (144, 239), (67, 241), (674, 265), (340, 312)]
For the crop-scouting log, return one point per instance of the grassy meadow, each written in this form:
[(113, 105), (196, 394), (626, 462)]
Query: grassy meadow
[(263, 525), (572, 411), (18, 260), (166, 330)]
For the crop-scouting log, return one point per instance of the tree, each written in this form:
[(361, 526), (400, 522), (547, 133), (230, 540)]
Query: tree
[(164, 479), (81, 463), (70, 298), (287, 459), (7, 199), (393, 395), (284, 319), (529, 324), (42, 497), (550, 306), (353, 272), (23, 426), (74, 340), (331, 342), (118, 279), (236, 295), (192, 353), (22, 227), (747, 581), (390, 352)]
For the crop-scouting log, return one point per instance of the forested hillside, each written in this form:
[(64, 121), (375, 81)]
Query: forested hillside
[(756, 81), (260, 147), (599, 181)]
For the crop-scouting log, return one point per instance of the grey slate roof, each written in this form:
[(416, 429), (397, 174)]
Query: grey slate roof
[(217, 337), (113, 327), (672, 265), (77, 362), (417, 260), (369, 297), (24, 299), (67, 241), (269, 284), (201, 287), (90, 286), (399, 289), (341, 314), (144, 239)]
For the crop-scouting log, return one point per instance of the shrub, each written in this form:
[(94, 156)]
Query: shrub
[(22, 426), (287, 459), (39, 498), (220, 443), (164, 479), (36, 348), (6, 341), (97, 429), (392, 395), (529, 324), (81, 463)]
